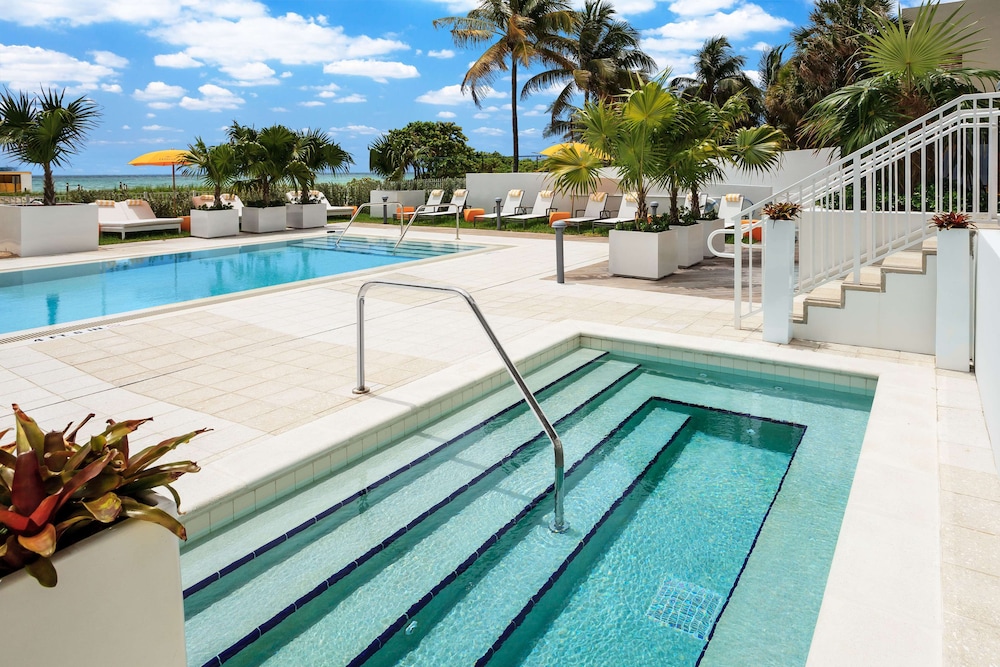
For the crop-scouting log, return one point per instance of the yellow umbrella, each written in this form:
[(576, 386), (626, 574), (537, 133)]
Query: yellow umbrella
[(578, 147), (169, 157)]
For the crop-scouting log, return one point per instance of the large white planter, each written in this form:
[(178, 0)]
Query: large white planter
[(212, 224), (707, 227), (953, 335), (30, 231), (690, 239), (305, 216), (262, 220), (118, 603), (642, 254)]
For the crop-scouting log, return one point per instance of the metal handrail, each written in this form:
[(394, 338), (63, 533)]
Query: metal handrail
[(559, 524), (423, 208), (361, 206)]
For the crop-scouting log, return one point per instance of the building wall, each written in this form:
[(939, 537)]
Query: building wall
[(8, 178), (987, 328), (986, 14)]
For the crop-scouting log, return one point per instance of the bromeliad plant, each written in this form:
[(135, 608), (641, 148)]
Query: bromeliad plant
[(952, 220), (782, 210), (54, 492)]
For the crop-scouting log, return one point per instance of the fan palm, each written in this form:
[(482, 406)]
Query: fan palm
[(264, 157), (315, 153), (912, 71), (604, 58), (520, 32), (45, 130), (718, 74), (215, 165)]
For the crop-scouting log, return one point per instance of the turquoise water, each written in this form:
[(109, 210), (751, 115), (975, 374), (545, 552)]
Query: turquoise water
[(704, 512), (63, 294)]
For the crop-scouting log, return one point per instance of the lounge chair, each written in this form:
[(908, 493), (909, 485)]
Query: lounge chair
[(731, 206), (197, 201), (510, 206), (540, 210), (597, 209), (133, 215), (455, 206), (320, 198), (435, 197), (626, 212)]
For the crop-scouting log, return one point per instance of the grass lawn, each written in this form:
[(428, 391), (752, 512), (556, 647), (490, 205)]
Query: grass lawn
[(113, 238), (448, 222)]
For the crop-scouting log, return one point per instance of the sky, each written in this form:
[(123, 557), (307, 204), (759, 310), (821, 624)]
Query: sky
[(167, 71)]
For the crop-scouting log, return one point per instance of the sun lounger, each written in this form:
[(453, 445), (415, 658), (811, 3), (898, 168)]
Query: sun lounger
[(133, 215), (597, 208), (540, 210), (457, 203), (626, 212), (730, 206), (510, 206)]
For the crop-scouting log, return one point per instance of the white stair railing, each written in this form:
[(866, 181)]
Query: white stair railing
[(878, 200)]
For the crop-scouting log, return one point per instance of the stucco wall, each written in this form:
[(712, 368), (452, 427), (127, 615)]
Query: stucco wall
[(986, 15), (988, 332)]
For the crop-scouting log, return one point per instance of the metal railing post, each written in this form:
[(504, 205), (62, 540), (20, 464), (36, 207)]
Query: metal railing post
[(385, 210), (498, 200), (560, 227), (559, 523)]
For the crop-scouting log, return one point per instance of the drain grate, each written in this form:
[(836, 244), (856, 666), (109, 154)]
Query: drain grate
[(686, 607)]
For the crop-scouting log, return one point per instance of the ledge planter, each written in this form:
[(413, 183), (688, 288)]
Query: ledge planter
[(31, 231), (262, 220), (707, 227), (128, 574), (305, 216), (690, 240), (650, 255), (214, 223)]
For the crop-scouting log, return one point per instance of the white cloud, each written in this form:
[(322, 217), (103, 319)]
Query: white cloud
[(111, 88), (530, 132), (445, 114), (489, 131), (378, 70), (89, 12), (279, 109), (327, 94), (354, 98), (157, 92), (450, 96), (28, 67), (159, 128), (312, 103), (443, 54), (537, 110), (176, 61), (699, 7), (760, 46), (481, 116), (160, 105), (286, 75), (251, 74), (150, 115), (355, 129), (126, 127), (109, 59), (213, 98)]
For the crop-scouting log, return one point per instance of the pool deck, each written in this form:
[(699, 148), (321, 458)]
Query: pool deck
[(916, 576)]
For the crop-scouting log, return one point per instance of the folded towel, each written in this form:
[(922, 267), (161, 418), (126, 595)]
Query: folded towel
[(514, 193), (459, 193), (598, 196), (136, 202), (546, 194), (104, 202), (437, 193), (734, 197), (631, 198)]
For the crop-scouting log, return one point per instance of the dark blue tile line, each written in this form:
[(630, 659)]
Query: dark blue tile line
[(393, 628), (550, 582), (257, 632), (235, 565), (753, 545)]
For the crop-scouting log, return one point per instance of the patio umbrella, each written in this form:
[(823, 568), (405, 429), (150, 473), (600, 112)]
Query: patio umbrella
[(169, 156), (580, 148)]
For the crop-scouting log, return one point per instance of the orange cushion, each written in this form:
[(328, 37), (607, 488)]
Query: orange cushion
[(471, 213), (407, 210), (558, 215)]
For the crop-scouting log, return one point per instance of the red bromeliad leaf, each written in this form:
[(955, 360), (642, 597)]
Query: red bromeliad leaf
[(42, 543), (15, 522), (82, 477), (29, 436), (72, 435), (106, 508), (28, 489), (53, 442), (46, 509)]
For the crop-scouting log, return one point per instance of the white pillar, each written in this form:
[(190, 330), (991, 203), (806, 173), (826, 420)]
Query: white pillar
[(779, 273), (953, 335)]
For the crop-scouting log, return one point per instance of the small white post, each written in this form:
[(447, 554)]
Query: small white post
[(953, 334), (779, 267)]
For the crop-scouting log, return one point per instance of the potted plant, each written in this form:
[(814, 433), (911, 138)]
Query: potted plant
[(87, 511), (46, 130), (315, 153), (952, 220), (264, 158), (779, 210), (643, 249), (216, 167)]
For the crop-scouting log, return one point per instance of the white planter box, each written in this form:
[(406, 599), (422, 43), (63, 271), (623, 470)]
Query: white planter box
[(707, 227), (306, 216), (211, 224), (642, 254), (953, 335), (128, 575), (30, 231), (263, 220), (690, 239)]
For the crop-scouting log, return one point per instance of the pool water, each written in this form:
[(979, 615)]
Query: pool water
[(704, 511), (62, 294)]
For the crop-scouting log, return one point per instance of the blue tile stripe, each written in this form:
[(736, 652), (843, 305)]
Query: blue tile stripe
[(235, 565)]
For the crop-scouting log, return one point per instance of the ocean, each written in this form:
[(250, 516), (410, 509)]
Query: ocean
[(66, 182)]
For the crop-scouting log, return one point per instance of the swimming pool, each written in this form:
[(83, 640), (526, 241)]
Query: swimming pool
[(63, 294), (704, 512)]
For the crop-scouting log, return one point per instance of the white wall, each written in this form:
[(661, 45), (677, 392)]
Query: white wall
[(485, 188), (794, 166), (988, 332)]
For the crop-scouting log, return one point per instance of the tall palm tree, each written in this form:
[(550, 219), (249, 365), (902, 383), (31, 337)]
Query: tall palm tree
[(315, 153), (911, 71), (518, 32), (605, 59), (264, 157), (215, 165), (718, 74), (45, 130)]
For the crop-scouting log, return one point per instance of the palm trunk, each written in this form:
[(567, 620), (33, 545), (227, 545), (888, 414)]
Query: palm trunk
[(49, 186), (695, 206), (674, 212), (513, 111), (218, 196)]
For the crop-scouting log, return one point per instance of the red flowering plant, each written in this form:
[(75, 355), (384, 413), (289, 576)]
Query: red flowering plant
[(952, 220)]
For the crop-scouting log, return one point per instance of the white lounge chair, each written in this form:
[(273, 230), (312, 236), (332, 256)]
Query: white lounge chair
[(320, 198), (133, 215), (597, 208), (453, 208), (197, 201), (540, 210), (626, 212), (510, 206), (435, 197), (730, 206)]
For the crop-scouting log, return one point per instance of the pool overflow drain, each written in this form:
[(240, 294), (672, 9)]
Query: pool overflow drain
[(686, 607)]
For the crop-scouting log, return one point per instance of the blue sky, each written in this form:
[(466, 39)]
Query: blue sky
[(165, 71)]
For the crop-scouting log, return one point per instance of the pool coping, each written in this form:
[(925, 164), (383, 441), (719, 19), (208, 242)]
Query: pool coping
[(882, 602)]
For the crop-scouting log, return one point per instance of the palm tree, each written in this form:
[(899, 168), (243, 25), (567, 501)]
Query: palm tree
[(316, 152), (215, 165), (264, 157), (911, 71), (605, 59), (43, 130), (718, 74), (518, 31)]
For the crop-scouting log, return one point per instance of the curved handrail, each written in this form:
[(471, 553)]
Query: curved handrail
[(423, 208), (361, 206), (559, 524), (744, 230)]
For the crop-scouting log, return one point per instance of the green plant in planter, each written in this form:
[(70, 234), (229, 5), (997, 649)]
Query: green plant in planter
[(952, 220), (216, 166), (782, 210), (54, 492), (652, 224)]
